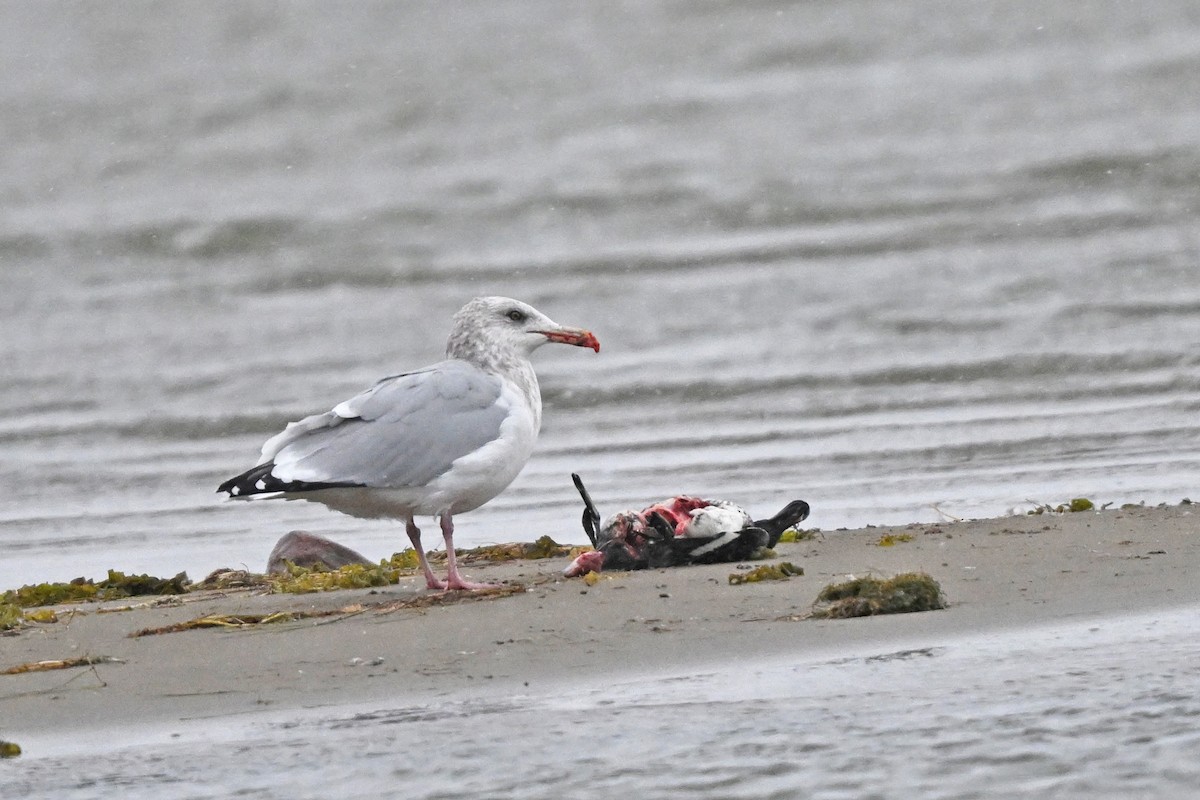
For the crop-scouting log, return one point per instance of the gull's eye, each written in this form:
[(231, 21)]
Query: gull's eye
[(517, 315)]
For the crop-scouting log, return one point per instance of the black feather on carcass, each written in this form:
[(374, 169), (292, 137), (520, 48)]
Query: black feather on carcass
[(680, 530)]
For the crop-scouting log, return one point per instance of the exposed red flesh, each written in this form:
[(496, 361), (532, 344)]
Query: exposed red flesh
[(677, 510)]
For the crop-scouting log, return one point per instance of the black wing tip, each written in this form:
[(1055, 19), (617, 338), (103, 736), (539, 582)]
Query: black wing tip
[(259, 480), (252, 481)]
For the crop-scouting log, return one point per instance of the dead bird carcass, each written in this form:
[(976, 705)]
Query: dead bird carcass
[(678, 531)]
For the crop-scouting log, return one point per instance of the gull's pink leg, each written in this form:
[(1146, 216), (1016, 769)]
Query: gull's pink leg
[(454, 580), (414, 535)]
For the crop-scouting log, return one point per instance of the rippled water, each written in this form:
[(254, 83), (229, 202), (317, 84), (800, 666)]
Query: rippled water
[(1109, 712)]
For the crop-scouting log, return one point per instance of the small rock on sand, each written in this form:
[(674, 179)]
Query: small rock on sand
[(305, 549)]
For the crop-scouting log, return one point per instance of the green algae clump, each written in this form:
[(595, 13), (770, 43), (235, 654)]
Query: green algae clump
[(305, 580), (295, 580), (116, 585), (767, 572), (892, 539), (405, 559), (1072, 506), (319, 578), (9, 749), (797, 535), (862, 597), (11, 616), (51, 594), (544, 547)]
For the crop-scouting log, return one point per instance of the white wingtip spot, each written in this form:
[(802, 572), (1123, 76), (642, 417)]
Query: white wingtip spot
[(236, 490), (260, 484)]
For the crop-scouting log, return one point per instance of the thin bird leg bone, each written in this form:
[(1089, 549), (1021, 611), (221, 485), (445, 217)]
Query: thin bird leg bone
[(414, 535), (453, 579)]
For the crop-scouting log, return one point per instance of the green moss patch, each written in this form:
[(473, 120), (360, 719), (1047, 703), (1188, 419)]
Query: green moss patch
[(11, 616), (1072, 506), (796, 535), (296, 580), (303, 580), (767, 572), (300, 580), (862, 597), (544, 547), (116, 585)]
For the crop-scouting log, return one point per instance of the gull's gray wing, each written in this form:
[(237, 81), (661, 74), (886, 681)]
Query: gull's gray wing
[(402, 432)]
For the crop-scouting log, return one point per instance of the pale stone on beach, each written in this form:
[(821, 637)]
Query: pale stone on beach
[(308, 550)]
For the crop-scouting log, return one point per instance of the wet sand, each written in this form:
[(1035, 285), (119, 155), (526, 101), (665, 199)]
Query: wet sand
[(997, 574)]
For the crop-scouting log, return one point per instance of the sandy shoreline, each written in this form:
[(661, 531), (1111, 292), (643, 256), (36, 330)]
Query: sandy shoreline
[(996, 574)]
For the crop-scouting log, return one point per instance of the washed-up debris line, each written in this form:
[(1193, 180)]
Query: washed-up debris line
[(292, 580), (61, 663), (252, 621)]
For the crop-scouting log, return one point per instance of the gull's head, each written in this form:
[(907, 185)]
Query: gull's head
[(491, 327)]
